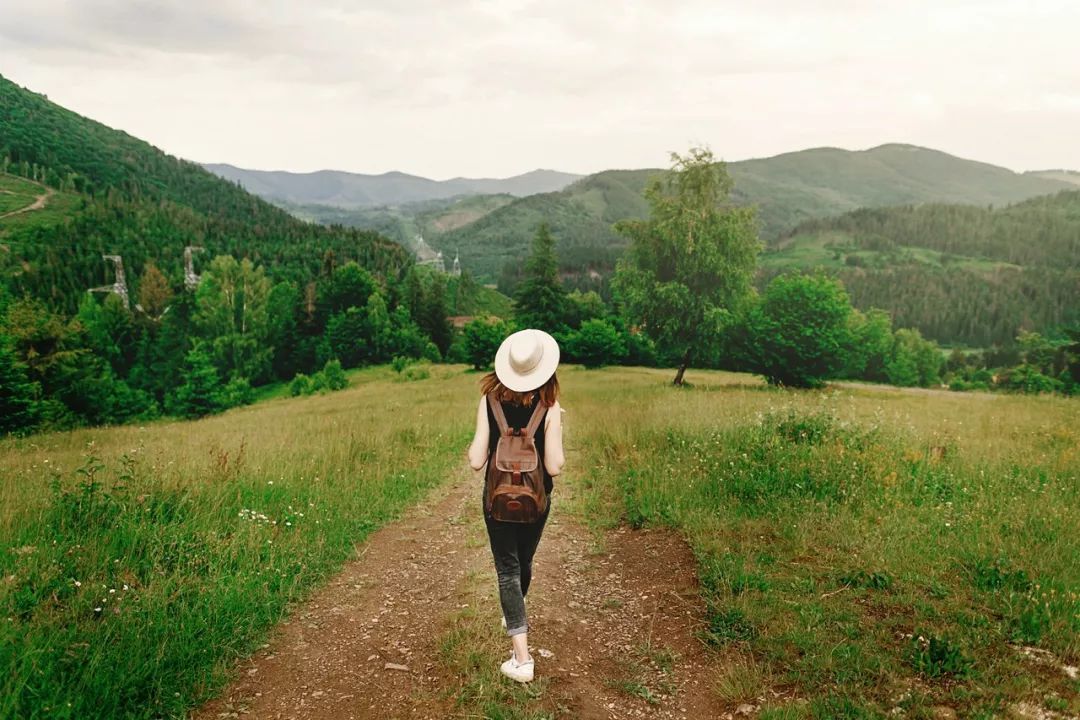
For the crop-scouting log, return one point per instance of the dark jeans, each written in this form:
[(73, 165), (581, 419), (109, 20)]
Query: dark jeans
[(513, 546)]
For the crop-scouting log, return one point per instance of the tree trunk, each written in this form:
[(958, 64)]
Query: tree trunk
[(682, 368)]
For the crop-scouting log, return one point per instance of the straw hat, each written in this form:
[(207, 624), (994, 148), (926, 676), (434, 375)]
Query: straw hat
[(526, 359)]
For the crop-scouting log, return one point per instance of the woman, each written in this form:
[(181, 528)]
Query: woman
[(524, 379)]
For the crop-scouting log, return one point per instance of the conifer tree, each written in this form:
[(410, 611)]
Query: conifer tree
[(19, 410), (540, 299), (200, 393)]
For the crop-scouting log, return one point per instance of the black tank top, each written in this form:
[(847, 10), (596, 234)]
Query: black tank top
[(517, 416)]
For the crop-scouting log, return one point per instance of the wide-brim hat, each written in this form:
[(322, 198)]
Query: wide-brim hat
[(526, 359)]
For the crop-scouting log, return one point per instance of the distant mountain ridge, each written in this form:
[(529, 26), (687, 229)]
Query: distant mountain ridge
[(358, 190), (788, 190)]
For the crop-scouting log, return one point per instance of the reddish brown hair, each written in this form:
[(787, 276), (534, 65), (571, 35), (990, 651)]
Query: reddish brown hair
[(549, 391)]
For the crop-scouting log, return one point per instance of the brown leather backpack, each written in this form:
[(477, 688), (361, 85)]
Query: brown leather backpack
[(515, 475)]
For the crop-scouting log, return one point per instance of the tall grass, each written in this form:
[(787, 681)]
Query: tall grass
[(138, 563), (869, 549), (860, 549)]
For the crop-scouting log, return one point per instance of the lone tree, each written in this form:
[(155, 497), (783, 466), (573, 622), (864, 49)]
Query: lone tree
[(540, 299), (690, 265)]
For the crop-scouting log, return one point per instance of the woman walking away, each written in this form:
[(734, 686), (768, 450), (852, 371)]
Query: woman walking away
[(519, 439)]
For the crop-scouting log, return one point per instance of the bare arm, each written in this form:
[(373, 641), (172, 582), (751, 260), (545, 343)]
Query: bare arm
[(553, 450), (479, 448)]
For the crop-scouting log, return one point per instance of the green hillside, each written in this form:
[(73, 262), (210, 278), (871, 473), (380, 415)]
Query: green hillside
[(114, 193), (787, 189), (959, 273), (403, 222)]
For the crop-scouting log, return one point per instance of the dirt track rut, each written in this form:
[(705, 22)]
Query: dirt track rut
[(615, 621)]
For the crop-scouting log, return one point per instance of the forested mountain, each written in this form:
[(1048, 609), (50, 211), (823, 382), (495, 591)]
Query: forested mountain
[(271, 297), (356, 190), (117, 194), (958, 273), (787, 189)]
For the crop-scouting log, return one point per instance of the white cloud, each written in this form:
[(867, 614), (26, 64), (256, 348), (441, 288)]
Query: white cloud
[(491, 88)]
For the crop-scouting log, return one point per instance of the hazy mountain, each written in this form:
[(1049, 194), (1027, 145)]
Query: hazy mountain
[(355, 190), (1069, 176), (788, 189)]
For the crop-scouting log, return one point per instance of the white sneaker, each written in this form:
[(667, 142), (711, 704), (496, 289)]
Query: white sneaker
[(521, 672)]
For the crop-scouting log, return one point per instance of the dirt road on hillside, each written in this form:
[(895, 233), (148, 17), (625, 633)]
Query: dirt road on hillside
[(612, 627), (39, 202)]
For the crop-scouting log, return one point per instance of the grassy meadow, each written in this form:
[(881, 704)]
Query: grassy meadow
[(138, 562), (860, 548)]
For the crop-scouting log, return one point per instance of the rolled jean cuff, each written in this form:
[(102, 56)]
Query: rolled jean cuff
[(517, 631)]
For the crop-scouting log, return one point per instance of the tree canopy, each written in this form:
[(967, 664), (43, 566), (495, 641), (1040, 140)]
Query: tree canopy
[(691, 263)]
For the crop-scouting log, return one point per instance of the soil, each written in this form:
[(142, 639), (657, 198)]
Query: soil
[(613, 624), (39, 202)]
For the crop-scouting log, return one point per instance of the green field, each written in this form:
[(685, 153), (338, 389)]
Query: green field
[(17, 193), (833, 250), (859, 548)]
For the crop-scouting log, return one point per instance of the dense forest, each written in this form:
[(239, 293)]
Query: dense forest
[(960, 274), (276, 296)]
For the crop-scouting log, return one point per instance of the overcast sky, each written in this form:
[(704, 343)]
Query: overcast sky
[(444, 88)]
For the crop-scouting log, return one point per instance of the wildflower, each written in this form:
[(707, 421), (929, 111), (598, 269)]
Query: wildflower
[(78, 584)]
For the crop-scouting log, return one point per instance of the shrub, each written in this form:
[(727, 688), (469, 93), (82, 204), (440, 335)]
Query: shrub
[(236, 392), (596, 343), (334, 376), (300, 385), (481, 340), (1027, 379), (798, 332)]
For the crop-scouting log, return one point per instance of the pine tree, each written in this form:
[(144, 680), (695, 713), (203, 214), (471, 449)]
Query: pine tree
[(540, 299), (200, 393), (436, 323), (19, 410)]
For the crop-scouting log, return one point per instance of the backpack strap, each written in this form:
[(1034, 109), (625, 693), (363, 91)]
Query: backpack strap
[(500, 416), (504, 426), (534, 421)]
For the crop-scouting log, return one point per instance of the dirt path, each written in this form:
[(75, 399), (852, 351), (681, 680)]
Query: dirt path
[(612, 626), (39, 202)]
